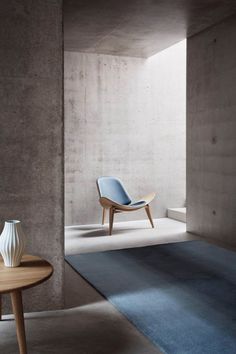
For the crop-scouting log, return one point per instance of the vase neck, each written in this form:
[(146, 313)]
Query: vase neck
[(12, 226), (12, 222)]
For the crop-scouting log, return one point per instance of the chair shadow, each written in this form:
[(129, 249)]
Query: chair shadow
[(104, 232), (82, 227)]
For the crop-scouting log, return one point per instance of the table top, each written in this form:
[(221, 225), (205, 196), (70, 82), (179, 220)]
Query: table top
[(33, 270)]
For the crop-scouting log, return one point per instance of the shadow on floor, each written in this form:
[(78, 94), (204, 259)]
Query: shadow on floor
[(88, 331), (96, 232)]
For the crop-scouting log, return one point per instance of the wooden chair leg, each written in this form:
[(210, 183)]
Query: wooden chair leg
[(17, 306), (111, 219), (103, 215), (147, 208), (0, 307)]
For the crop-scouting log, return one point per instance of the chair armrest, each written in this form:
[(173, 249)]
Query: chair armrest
[(108, 203), (148, 198)]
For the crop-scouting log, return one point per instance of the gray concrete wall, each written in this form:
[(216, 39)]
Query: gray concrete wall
[(124, 117), (31, 135), (211, 132)]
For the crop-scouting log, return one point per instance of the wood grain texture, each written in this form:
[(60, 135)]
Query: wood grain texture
[(32, 271), (147, 208), (16, 299), (108, 203), (115, 207), (111, 219), (103, 215)]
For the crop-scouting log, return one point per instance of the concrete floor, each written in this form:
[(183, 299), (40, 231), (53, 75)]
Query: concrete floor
[(93, 238), (90, 324)]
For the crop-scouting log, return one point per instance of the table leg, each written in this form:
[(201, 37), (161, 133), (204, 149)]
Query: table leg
[(17, 306), (0, 307)]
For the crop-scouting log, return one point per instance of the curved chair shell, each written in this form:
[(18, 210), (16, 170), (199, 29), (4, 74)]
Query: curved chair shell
[(113, 196), (113, 189), (108, 203)]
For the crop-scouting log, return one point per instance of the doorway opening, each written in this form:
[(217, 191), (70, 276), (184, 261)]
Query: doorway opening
[(124, 117)]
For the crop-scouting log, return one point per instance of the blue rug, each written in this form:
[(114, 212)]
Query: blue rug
[(182, 296)]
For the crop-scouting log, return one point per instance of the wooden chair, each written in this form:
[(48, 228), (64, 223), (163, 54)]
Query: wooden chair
[(114, 197)]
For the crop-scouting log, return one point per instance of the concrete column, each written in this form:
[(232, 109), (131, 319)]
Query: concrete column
[(211, 132), (31, 134)]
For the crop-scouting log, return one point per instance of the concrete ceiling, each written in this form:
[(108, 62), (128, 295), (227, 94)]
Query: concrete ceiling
[(137, 28)]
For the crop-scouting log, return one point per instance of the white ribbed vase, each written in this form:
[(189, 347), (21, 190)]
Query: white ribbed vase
[(12, 243)]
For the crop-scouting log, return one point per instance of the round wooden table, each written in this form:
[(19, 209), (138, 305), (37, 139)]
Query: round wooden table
[(32, 271)]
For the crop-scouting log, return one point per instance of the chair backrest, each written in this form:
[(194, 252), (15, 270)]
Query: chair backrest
[(112, 188)]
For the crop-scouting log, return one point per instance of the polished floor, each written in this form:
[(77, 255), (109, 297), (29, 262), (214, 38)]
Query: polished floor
[(90, 324)]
